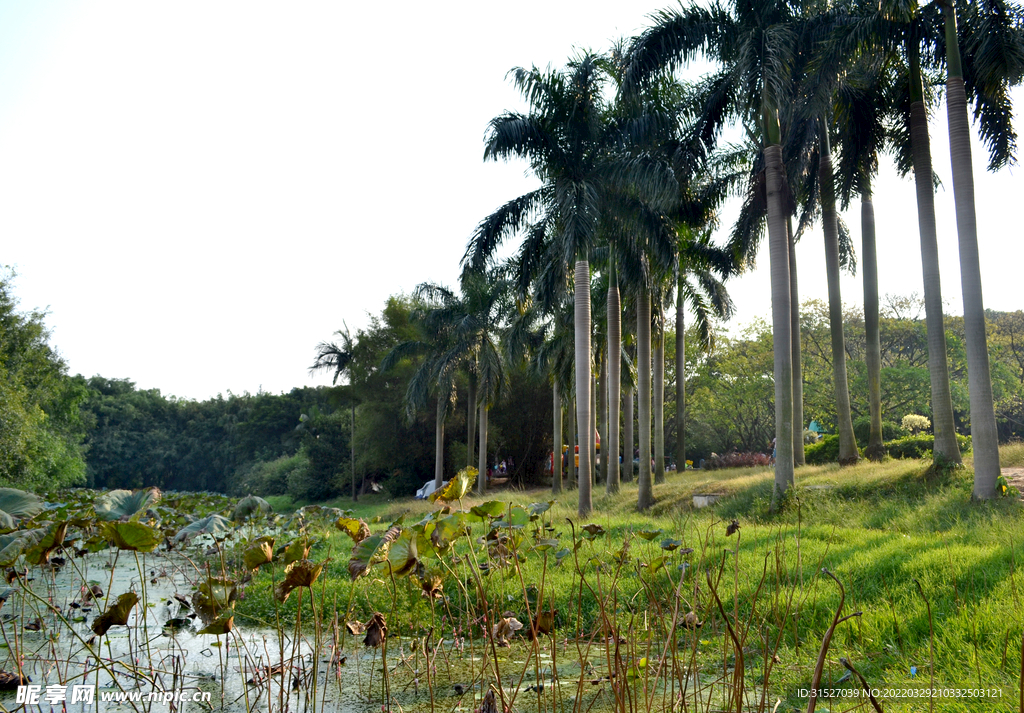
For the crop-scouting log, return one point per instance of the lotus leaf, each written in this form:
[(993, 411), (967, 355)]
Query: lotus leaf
[(210, 525), (543, 545), (219, 627), (670, 544), (54, 538), (404, 554), (592, 531), (650, 534), (457, 487), (123, 504), (259, 552), (214, 596), (16, 504), (13, 544), (131, 536), (358, 530), (296, 550), (116, 614), (516, 517), (447, 529), (298, 574), (492, 508), (250, 506), (432, 585), (376, 630), (371, 550), (538, 509)]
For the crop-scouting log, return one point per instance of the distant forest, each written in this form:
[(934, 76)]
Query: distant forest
[(59, 430)]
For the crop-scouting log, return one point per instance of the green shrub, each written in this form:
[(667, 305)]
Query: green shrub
[(890, 431), (921, 446), (824, 451), (271, 477)]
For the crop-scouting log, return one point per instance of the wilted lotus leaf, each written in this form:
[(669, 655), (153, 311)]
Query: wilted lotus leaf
[(376, 630), (131, 536), (650, 534), (11, 681), (210, 525), (249, 506), (296, 550), (432, 585), (355, 627), (489, 704), (506, 627), (298, 574), (544, 545), (220, 626), (457, 487), (690, 621), (733, 528), (358, 530), (123, 504), (655, 564), (593, 530), (403, 554), (16, 504), (259, 552), (13, 544), (54, 538), (492, 508), (670, 544), (214, 596), (447, 529), (116, 614), (372, 550)]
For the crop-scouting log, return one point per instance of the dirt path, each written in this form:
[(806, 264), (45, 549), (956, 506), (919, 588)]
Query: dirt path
[(1015, 477)]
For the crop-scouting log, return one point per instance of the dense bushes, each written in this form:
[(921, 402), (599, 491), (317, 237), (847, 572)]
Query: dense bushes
[(920, 446), (890, 431), (271, 477)]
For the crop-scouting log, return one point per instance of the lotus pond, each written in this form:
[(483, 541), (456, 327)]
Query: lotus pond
[(495, 605)]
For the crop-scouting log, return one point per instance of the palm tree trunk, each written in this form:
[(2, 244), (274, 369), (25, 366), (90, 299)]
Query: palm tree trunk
[(355, 495), (611, 448), (873, 356), (439, 444), (602, 406), (481, 476), (946, 448), (778, 251), (680, 376), (848, 454), (593, 430), (628, 438), (556, 441), (645, 496), (471, 421), (984, 436), (659, 399), (583, 410), (798, 364)]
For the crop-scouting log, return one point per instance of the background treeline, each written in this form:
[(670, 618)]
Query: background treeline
[(57, 429)]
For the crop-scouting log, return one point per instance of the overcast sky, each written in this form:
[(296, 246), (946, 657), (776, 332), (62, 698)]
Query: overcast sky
[(200, 192)]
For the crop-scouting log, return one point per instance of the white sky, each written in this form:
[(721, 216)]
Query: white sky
[(200, 192)]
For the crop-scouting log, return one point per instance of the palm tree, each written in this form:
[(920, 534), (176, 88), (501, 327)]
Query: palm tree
[(997, 60), (755, 45), (472, 320), (330, 356), (566, 138)]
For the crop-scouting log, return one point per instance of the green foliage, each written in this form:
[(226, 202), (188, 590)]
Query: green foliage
[(824, 451), (862, 431), (40, 425), (271, 477), (915, 423), (921, 445)]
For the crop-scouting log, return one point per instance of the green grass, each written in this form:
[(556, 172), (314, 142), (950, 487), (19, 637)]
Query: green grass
[(882, 529)]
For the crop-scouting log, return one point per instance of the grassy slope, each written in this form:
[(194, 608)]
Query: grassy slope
[(879, 528)]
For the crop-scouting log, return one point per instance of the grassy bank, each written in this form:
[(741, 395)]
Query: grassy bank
[(899, 537)]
